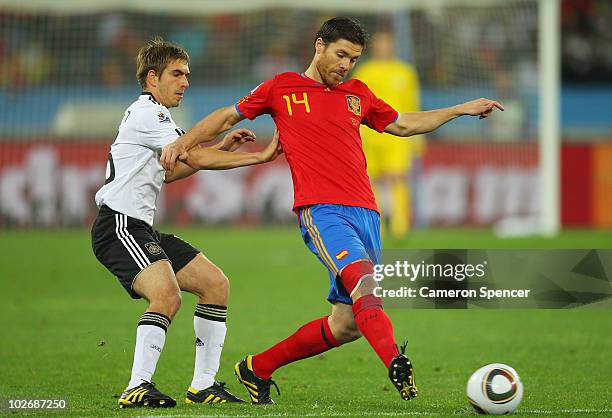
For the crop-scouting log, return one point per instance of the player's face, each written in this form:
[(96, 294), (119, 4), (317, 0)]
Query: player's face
[(173, 83), (336, 60)]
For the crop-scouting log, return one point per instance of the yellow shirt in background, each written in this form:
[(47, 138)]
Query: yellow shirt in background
[(396, 83)]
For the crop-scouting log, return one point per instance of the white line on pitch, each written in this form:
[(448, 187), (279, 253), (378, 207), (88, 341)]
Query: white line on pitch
[(384, 414)]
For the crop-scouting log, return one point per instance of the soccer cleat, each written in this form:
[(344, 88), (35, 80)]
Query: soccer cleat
[(214, 394), (145, 394), (259, 389), (402, 375)]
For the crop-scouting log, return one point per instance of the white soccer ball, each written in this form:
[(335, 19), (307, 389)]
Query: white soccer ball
[(495, 389)]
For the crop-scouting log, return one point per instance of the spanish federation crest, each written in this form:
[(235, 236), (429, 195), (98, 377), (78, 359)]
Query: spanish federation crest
[(354, 104)]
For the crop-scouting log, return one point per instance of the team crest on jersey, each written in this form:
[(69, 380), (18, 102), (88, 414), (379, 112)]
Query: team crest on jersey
[(244, 99), (162, 117), (354, 104), (153, 248)]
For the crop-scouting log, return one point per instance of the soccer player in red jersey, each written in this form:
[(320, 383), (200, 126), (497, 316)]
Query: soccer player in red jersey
[(318, 116)]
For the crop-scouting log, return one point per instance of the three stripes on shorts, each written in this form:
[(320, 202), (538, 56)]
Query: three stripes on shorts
[(128, 241)]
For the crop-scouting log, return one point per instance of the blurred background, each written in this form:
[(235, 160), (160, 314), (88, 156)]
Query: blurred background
[(67, 73)]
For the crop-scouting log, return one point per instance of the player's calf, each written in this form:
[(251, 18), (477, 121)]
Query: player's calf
[(376, 326)]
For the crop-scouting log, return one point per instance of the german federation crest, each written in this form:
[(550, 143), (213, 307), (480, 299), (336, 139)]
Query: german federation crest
[(354, 104), (153, 248)]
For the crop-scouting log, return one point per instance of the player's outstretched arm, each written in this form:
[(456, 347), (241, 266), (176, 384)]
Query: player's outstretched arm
[(181, 170), (204, 131), (209, 158), (414, 123)]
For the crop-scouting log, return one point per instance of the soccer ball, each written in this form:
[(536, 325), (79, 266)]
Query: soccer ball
[(495, 389)]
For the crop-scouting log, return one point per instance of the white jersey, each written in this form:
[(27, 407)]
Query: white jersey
[(134, 175)]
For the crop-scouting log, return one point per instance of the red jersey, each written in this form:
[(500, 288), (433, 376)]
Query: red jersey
[(319, 132)]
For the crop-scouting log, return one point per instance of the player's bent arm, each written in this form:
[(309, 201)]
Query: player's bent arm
[(211, 126), (181, 170), (204, 131), (214, 159), (414, 123)]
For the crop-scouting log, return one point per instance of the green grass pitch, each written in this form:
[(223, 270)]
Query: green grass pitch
[(68, 331)]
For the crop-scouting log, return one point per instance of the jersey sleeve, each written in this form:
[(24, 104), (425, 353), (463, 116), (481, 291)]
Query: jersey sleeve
[(257, 102), (156, 129), (379, 114)]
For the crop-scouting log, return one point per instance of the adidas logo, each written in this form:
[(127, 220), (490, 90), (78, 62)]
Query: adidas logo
[(199, 343)]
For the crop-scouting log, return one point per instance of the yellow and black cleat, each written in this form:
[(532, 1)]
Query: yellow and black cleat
[(402, 375), (259, 389), (214, 394), (145, 394)]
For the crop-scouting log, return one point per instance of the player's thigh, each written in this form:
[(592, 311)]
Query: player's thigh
[(369, 233), (330, 234), (157, 283), (202, 277)]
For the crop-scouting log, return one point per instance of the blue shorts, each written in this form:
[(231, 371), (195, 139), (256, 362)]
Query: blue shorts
[(339, 235)]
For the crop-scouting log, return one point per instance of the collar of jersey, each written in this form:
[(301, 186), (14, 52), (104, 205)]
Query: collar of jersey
[(149, 96), (303, 74)]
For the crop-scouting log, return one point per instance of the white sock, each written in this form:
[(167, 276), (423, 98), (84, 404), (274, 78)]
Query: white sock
[(150, 339), (210, 330)]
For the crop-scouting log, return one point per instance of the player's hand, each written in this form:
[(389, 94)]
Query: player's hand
[(235, 139), (273, 149), (480, 107), (172, 152)]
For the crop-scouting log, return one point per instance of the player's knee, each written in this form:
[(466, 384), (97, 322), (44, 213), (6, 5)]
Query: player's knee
[(354, 274), (167, 301), (173, 302), (365, 287), (221, 283), (343, 326), (351, 333), (216, 284), (347, 332)]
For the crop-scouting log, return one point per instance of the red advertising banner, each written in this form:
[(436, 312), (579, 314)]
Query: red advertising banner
[(53, 184)]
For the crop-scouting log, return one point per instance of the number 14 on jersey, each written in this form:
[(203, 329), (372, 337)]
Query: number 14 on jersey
[(293, 99)]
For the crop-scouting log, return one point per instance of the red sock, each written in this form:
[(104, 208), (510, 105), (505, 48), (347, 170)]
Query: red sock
[(311, 339), (375, 326)]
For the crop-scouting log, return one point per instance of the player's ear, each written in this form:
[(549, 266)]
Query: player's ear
[(319, 45), (152, 78)]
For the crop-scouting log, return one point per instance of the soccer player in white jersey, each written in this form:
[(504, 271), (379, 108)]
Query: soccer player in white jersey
[(154, 265)]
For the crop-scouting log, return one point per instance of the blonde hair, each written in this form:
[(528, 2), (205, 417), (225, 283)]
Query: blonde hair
[(156, 55)]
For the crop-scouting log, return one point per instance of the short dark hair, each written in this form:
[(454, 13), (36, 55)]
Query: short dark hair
[(343, 28), (156, 55)]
